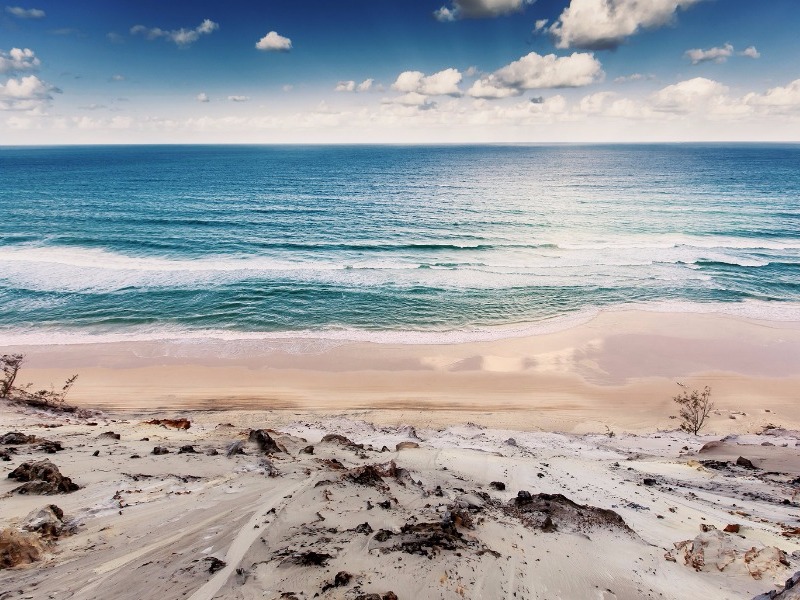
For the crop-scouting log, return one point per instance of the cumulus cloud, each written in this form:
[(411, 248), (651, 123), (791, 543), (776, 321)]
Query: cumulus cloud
[(26, 93), (17, 60), (540, 25), (750, 52), (443, 83), (778, 99), (534, 71), (605, 24), (352, 86), (181, 37), (25, 13), (238, 98), (203, 97), (718, 54), (274, 42), (692, 95), (479, 9)]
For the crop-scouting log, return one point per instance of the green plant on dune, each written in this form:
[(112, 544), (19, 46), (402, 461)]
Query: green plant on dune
[(695, 407)]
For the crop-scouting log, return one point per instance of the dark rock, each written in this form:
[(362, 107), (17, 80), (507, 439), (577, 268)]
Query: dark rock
[(109, 435), (212, 452), (385, 505), (389, 596), (50, 447), (96, 453), (188, 449), (307, 450), (372, 475), (551, 512), (363, 528), (265, 442), (383, 535), (159, 450), (498, 485), (745, 462), (649, 481), (511, 442), (523, 497), (16, 438), (5, 453), (718, 465), (311, 558), (214, 564), (340, 439), (368, 597), (733, 528), (135, 456), (342, 579), (45, 477)]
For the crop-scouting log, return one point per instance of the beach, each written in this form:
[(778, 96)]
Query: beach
[(618, 369)]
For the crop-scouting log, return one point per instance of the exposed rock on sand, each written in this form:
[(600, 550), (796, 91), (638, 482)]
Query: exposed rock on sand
[(173, 423), (42, 477), (19, 548), (555, 512), (790, 591), (265, 443), (715, 550)]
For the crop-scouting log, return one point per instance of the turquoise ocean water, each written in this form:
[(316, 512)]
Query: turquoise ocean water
[(388, 242)]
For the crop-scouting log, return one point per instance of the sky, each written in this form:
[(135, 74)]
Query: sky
[(398, 71)]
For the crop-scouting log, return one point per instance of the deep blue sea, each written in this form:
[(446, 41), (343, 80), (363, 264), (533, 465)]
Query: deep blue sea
[(378, 241)]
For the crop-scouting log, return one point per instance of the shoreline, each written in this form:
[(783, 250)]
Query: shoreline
[(619, 369)]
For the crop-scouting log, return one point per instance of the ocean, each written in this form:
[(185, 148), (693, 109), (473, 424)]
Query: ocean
[(388, 243)]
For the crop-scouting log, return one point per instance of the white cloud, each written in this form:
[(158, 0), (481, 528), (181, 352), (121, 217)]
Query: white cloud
[(443, 83), (181, 37), (17, 60), (718, 54), (274, 42), (539, 26), (778, 99), (203, 97), (605, 24), (26, 93), (685, 96), (534, 71), (631, 77), (750, 52), (479, 9), (25, 13), (238, 98), (345, 86), (352, 86)]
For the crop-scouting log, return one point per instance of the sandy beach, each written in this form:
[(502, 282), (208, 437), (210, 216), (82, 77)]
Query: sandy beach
[(532, 467), (619, 369)]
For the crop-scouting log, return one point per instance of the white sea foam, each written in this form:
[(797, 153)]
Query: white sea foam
[(83, 269), (183, 341)]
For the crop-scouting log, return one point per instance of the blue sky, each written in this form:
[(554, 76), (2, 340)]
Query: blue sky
[(100, 71)]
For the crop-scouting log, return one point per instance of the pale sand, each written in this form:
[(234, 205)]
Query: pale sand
[(145, 526), (618, 370)]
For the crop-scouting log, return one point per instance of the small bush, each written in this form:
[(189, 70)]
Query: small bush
[(695, 406)]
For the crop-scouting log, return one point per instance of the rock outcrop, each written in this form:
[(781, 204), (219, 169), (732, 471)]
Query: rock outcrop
[(41, 477)]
